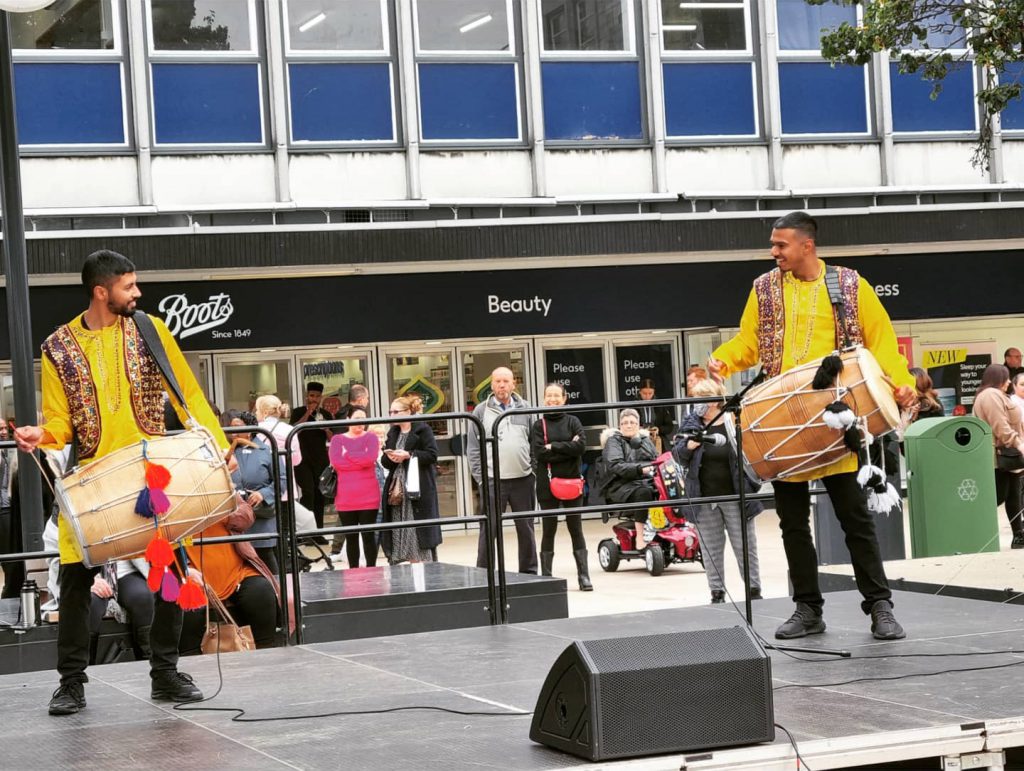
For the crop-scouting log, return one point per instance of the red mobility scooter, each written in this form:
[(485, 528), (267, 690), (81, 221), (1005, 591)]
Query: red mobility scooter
[(670, 537)]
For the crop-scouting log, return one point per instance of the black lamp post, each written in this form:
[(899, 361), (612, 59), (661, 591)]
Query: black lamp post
[(30, 490)]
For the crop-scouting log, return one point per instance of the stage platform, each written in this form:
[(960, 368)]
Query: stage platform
[(878, 722)]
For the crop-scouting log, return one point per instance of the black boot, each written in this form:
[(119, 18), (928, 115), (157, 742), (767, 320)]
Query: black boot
[(582, 570), (546, 558)]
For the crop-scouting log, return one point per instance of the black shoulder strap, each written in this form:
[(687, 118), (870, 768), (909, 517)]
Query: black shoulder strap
[(156, 347), (835, 296)]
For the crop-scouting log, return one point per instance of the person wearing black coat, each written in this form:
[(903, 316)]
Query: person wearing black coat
[(557, 443), (627, 468), (659, 421), (404, 441)]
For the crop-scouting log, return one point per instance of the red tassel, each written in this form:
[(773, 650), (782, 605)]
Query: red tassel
[(155, 578), (158, 501), (159, 554), (157, 476), (192, 595)]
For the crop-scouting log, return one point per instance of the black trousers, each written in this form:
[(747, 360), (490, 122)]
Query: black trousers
[(637, 495), (369, 538), (549, 525), (10, 542), (308, 479), (254, 604), (73, 627), (793, 504), (1009, 489), (516, 495)]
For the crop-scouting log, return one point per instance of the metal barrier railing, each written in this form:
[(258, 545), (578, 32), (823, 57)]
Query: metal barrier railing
[(484, 519)]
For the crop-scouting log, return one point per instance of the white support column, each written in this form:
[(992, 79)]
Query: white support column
[(409, 94), (534, 96), (276, 65), (651, 21), (770, 92), (996, 169), (883, 115), (137, 46)]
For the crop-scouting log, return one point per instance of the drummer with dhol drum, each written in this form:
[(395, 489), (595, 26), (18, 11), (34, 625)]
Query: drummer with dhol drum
[(797, 313), (103, 392)]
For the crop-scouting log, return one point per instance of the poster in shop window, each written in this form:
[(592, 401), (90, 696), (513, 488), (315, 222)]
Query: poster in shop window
[(581, 372), (956, 371)]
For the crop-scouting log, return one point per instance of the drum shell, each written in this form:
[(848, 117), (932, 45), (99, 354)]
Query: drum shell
[(98, 500), (784, 434)]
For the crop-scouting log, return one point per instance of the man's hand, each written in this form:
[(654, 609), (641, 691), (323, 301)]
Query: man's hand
[(102, 588), (905, 396), (716, 368), (28, 437)]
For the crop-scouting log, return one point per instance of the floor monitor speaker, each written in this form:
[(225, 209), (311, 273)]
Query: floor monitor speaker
[(677, 692)]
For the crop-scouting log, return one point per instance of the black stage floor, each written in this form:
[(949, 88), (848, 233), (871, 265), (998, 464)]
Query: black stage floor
[(493, 668)]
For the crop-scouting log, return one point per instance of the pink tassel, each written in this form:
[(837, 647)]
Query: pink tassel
[(169, 587), (159, 501)]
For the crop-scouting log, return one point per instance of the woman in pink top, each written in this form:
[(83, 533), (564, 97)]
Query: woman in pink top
[(354, 456)]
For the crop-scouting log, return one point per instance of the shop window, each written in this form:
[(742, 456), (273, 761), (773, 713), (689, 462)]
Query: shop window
[(338, 375), (708, 69), (428, 376), (468, 70), (206, 73), (801, 25), (68, 57), (1012, 118), (340, 71), (913, 109), (709, 99), (590, 73)]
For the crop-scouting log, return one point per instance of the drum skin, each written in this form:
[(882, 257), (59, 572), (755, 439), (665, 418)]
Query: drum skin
[(98, 500), (783, 430)]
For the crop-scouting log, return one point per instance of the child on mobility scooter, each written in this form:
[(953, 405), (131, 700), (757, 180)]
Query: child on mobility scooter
[(633, 472)]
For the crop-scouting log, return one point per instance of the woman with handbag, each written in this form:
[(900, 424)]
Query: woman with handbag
[(557, 442), (992, 405), (410, 458), (240, 581), (353, 456)]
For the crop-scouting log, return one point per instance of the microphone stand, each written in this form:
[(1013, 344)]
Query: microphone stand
[(734, 405)]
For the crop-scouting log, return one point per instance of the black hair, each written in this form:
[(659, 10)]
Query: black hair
[(800, 221), (1006, 353), (647, 383), (243, 415), (102, 268)]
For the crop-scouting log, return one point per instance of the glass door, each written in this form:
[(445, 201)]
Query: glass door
[(244, 378), (477, 366), (338, 370), (580, 369)]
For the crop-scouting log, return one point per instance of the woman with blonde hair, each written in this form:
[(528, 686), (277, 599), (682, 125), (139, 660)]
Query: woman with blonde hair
[(272, 415), (407, 440)]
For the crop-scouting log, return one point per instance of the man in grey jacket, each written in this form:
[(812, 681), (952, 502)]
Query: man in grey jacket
[(518, 486)]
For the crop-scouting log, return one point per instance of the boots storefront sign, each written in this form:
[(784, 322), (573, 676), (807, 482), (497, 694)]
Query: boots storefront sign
[(185, 319)]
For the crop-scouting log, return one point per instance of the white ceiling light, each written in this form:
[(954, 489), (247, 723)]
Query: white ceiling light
[(307, 25), (469, 26)]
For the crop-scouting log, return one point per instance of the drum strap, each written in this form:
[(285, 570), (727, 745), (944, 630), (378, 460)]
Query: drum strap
[(835, 296), (156, 348)]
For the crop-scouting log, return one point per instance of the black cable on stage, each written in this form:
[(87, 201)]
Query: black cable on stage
[(799, 757), (899, 677)]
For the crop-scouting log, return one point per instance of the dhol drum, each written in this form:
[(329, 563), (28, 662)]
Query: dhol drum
[(783, 430), (98, 500)]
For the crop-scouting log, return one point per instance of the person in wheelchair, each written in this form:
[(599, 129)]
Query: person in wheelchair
[(711, 470), (628, 476)]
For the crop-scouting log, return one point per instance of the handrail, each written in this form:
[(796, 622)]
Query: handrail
[(492, 590)]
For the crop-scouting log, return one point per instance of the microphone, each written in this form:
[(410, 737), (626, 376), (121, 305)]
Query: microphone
[(714, 440)]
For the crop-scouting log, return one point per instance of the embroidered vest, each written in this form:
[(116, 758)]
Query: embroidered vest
[(771, 314), (145, 385)]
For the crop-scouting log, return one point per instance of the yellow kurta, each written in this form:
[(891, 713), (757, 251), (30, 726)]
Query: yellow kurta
[(103, 348), (810, 334)]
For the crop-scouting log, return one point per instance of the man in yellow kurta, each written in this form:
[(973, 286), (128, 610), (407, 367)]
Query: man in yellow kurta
[(789, 320), (102, 390)]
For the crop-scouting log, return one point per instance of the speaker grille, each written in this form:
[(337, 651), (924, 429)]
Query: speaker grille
[(690, 690)]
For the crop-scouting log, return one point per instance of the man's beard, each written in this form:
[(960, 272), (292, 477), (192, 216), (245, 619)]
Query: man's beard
[(125, 309)]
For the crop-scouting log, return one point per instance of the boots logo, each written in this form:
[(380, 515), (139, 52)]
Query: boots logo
[(185, 319)]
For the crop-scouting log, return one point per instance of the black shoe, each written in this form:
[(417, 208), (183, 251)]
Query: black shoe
[(717, 596), (884, 625), (755, 593), (67, 699), (1018, 541), (321, 540), (804, 621), (174, 686)]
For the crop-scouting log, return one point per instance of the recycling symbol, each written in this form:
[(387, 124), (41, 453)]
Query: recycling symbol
[(968, 490)]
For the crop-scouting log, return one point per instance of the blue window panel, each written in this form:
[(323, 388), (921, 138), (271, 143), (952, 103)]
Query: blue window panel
[(207, 103), (69, 104), (800, 24), (1013, 115), (709, 99), (468, 101), (913, 109), (592, 100), (341, 102), (817, 99)]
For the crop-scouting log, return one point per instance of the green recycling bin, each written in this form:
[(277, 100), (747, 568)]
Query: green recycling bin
[(951, 487)]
